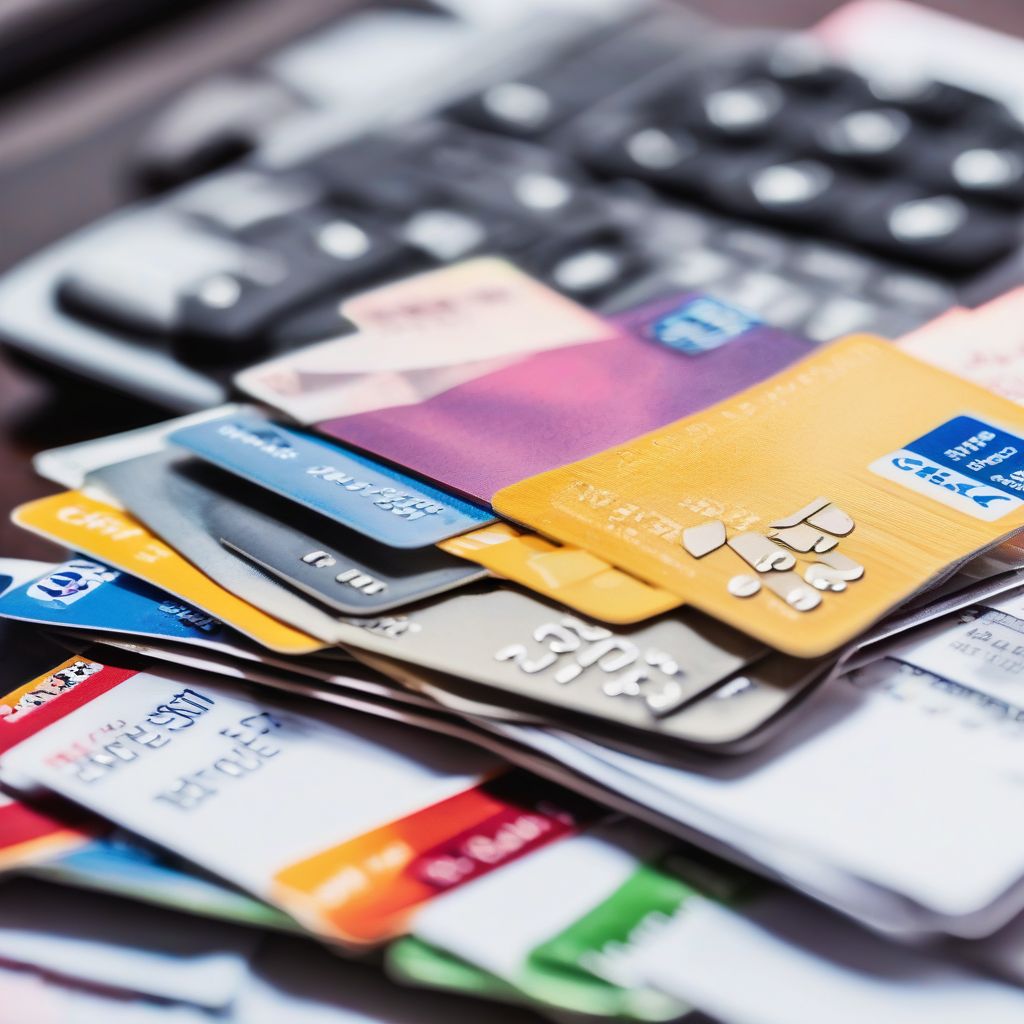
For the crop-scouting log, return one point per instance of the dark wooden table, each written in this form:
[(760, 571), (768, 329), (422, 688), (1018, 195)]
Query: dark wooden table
[(65, 142)]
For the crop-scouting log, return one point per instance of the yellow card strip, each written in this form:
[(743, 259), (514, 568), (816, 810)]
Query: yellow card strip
[(572, 576), (887, 463), (81, 523)]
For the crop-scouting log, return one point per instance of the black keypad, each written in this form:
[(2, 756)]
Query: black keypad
[(635, 162)]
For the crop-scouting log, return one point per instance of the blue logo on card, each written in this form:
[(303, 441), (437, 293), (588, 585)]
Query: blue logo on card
[(701, 325), (965, 463)]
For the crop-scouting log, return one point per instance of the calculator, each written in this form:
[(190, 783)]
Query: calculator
[(619, 150)]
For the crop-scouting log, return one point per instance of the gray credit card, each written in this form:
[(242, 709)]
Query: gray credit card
[(642, 676), (334, 565)]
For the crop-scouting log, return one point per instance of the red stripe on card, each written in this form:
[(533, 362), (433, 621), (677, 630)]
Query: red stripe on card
[(19, 824), (14, 730)]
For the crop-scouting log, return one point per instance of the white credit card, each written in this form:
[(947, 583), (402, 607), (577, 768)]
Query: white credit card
[(263, 795), (786, 961), (864, 839)]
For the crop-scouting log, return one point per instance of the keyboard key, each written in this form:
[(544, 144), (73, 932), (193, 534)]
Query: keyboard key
[(533, 104)]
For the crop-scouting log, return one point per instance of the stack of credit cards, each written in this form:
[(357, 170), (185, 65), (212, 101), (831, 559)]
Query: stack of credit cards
[(564, 661)]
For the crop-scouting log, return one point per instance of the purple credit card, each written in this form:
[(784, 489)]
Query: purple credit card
[(672, 358)]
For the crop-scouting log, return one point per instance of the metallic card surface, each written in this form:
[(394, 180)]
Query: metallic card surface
[(360, 493), (181, 527), (372, 579), (637, 676)]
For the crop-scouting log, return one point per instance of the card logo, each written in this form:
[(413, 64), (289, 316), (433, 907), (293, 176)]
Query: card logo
[(966, 464), (701, 325), (71, 582)]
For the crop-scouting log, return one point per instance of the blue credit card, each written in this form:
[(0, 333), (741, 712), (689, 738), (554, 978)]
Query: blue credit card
[(82, 593), (353, 490)]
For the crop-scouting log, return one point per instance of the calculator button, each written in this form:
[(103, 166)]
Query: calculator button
[(587, 261), (213, 123), (135, 269), (444, 234), (838, 316), (938, 102), (832, 265), (987, 170), (696, 268), (911, 290), (668, 157), (802, 63), (760, 247), (802, 192), (589, 271), (533, 104), (371, 174), (655, 149), (940, 230), (877, 137), (518, 105), (748, 110), (238, 200), (226, 317), (976, 168), (786, 185), (754, 290)]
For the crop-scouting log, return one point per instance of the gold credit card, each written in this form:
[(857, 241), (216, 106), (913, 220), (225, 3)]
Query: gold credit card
[(802, 509)]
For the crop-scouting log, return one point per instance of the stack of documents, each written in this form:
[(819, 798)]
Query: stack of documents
[(627, 668)]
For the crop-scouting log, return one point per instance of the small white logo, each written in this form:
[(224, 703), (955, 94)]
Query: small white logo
[(953, 489)]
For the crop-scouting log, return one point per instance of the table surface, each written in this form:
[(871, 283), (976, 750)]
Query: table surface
[(66, 141)]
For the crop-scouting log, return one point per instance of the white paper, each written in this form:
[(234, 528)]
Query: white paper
[(865, 782), (786, 961)]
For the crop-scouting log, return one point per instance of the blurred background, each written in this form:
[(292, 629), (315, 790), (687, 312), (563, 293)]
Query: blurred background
[(81, 82)]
